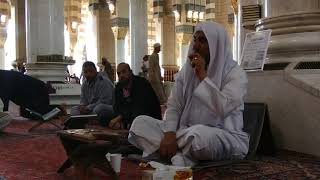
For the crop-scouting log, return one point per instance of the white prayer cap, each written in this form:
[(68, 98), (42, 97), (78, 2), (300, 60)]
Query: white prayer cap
[(156, 45)]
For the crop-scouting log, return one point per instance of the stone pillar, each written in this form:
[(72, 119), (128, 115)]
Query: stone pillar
[(72, 19), (183, 39), (5, 13), (278, 8), (2, 55), (210, 10), (290, 82), (103, 31), (20, 30), (3, 37), (45, 40), (168, 39), (162, 11), (296, 24), (120, 28), (138, 32), (45, 48)]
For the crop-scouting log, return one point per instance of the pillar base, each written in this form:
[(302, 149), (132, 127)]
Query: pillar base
[(55, 72), (294, 37), (48, 71)]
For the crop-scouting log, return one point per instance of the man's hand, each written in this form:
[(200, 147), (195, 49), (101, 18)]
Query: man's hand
[(199, 65), (84, 110), (168, 146), (116, 123)]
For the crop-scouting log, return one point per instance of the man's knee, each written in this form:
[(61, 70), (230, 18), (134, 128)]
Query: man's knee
[(206, 143), (105, 113), (103, 109), (139, 122)]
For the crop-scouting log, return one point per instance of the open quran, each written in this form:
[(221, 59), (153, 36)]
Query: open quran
[(54, 112)]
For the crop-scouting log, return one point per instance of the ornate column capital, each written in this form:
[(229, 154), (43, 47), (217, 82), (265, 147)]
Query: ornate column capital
[(120, 22), (185, 29), (120, 32)]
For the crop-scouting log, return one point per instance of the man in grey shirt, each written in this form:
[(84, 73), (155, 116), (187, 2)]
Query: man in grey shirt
[(96, 95)]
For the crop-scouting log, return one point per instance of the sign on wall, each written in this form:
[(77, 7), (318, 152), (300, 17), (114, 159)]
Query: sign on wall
[(255, 50)]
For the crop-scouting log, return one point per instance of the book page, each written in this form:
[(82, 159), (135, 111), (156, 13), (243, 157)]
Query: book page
[(51, 114)]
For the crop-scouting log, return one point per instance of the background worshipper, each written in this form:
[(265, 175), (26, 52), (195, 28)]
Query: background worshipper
[(204, 116), (154, 74), (134, 96), (96, 95), (145, 66), (18, 65), (107, 69), (25, 91)]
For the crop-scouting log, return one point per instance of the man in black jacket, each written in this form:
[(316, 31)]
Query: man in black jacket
[(134, 96), (23, 90)]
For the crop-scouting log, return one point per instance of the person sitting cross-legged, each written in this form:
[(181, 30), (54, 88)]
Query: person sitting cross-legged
[(96, 95), (134, 96), (204, 118)]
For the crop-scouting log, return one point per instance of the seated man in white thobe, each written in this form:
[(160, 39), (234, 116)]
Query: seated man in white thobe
[(203, 120)]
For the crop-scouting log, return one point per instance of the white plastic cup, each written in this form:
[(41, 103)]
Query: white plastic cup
[(115, 161)]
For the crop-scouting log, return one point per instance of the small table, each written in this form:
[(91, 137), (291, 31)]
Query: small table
[(73, 138)]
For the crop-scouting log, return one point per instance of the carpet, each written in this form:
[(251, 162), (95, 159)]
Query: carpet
[(38, 155)]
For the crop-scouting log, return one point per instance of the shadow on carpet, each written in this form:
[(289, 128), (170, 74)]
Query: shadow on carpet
[(39, 155)]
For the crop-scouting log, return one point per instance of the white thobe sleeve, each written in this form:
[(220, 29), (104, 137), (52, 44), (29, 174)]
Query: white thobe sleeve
[(175, 106), (230, 97)]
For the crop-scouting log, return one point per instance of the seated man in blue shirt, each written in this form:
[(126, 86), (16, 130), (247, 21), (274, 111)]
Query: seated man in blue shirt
[(96, 95)]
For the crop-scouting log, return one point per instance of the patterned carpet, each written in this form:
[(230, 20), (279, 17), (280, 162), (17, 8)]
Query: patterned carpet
[(26, 156)]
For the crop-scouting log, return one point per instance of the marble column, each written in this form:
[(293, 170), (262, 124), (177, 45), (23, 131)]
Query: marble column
[(184, 48), (72, 19), (120, 28), (20, 26), (290, 84), (3, 37), (278, 8), (5, 13), (2, 55), (102, 29), (295, 29), (45, 49), (45, 40), (184, 35), (183, 39), (138, 32), (168, 39)]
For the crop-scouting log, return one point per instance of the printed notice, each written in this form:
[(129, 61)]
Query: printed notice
[(255, 50)]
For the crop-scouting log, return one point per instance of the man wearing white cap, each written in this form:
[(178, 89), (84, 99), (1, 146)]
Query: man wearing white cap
[(154, 75), (204, 118)]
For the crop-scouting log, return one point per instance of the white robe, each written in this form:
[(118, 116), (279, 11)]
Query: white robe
[(203, 136), (206, 115)]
